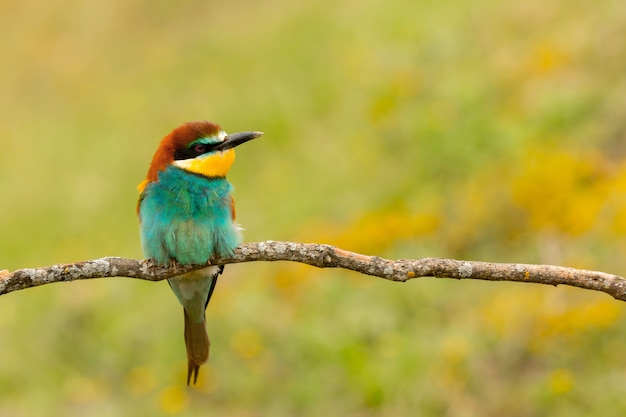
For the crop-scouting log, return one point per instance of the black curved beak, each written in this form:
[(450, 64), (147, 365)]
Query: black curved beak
[(236, 139)]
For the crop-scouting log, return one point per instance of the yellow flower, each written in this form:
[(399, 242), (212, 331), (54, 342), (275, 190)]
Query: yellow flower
[(561, 381), (173, 399)]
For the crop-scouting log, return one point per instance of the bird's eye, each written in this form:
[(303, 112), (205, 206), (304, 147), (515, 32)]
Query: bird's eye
[(199, 148)]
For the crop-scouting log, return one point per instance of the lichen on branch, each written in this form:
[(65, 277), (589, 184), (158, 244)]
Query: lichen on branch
[(323, 256)]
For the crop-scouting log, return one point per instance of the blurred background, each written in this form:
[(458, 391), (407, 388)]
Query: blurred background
[(480, 130)]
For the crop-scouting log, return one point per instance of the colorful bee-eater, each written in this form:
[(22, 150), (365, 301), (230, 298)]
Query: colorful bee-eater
[(187, 214)]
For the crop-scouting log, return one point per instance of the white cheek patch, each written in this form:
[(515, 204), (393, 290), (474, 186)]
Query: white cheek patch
[(183, 163)]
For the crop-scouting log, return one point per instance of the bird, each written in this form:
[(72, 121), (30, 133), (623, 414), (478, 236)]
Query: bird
[(187, 215)]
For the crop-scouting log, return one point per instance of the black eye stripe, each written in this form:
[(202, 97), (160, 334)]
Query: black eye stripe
[(194, 150)]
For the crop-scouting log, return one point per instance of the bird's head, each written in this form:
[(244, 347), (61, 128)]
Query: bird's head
[(198, 147)]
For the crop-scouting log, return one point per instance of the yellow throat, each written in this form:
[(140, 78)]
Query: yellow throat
[(213, 165)]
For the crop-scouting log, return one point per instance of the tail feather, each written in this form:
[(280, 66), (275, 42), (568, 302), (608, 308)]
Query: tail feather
[(197, 343)]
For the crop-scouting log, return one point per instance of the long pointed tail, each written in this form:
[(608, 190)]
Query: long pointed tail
[(197, 343)]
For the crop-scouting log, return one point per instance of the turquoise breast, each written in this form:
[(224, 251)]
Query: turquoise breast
[(187, 217)]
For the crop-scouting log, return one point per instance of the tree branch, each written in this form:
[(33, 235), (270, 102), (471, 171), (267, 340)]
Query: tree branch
[(323, 256)]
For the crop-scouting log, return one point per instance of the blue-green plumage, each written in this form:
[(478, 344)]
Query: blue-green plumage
[(187, 217)]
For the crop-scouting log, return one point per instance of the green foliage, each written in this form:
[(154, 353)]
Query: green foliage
[(479, 130)]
